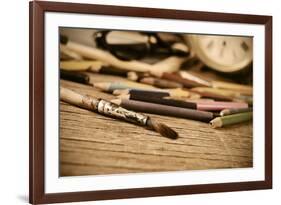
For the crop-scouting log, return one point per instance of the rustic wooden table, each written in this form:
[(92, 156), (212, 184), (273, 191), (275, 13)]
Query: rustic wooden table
[(92, 144)]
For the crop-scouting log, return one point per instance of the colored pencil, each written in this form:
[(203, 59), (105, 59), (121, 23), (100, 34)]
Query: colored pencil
[(243, 89), (216, 91), (73, 76), (189, 76), (214, 96), (160, 100), (235, 111), (244, 98), (149, 93), (111, 86), (176, 78), (231, 119), (195, 100), (173, 93), (220, 105), (157, 82), (112, 110), (165, 110)]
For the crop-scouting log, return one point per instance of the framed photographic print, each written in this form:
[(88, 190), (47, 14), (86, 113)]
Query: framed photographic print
[(138, 102)]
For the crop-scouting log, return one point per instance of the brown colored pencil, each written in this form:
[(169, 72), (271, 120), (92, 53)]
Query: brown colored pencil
[(165, 110), (160, 100), (148, 93)]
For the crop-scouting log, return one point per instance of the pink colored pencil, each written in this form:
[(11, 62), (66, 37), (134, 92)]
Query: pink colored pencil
[(220, 105)]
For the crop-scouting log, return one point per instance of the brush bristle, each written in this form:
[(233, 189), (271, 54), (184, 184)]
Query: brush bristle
[(163, 129)]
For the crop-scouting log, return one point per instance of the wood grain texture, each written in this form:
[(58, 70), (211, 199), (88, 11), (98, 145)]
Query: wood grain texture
[(94, 144)]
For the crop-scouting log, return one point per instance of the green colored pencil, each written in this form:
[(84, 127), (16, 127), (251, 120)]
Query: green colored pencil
[(231, 119)]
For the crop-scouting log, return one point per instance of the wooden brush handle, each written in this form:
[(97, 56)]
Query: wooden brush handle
[(102, 107), (74, 98)]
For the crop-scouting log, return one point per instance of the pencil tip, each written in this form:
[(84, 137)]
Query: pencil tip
[(215, 123), (120, 92), (116, 101)]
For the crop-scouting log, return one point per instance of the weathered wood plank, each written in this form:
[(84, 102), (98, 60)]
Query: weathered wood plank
[(94, 144)]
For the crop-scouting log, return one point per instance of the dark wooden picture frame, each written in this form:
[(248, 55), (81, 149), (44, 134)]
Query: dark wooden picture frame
[(37, 95)]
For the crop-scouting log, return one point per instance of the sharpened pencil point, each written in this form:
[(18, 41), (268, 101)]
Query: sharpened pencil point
[(215, 123), (116, 101), (121, 92)]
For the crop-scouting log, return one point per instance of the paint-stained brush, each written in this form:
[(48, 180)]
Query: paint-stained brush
[(112, 110)]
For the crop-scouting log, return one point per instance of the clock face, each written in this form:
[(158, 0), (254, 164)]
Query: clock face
[(223, 53)]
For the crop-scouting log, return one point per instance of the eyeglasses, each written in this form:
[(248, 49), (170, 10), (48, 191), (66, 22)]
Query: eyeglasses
[(137, 45)]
